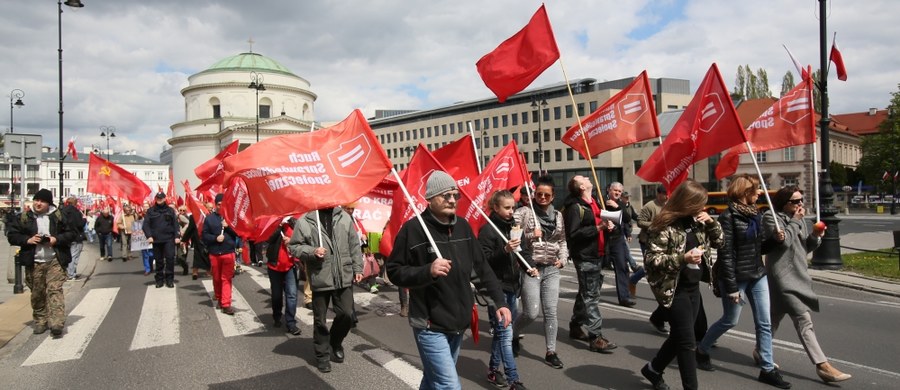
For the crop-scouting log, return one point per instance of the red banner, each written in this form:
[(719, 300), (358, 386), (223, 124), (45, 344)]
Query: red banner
[(513, 65), (790, 121), (213, 168), (708, 126), (503, 172), (374, 209), (198, 210), (106, 178), (414, 177), (626, 118), (297, 173), (460, 160)]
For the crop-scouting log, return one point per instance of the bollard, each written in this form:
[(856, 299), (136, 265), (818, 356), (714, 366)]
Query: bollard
[(17, 287)]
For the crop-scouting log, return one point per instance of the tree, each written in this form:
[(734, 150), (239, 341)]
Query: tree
[(749, 85), (787, 83), (838, 172), (881, 152)]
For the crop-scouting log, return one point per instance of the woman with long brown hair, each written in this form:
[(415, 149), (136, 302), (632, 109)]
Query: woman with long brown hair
[(678, 255)]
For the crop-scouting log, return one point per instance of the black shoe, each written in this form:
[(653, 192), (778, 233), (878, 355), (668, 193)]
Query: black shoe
[(337, 354), (655, 379), (704, 362), (170, 283), (194, 277), (628, 303), (308, 306), (576, 333), (552, 360), (516, 346), (517, 386), (495, 377), (277, 322), (228, 310), (109, 259), (773, 378), (295, 331), (40, 329), (185, 272), (324, 366), (660, 327), (57, 333), (159, 284)]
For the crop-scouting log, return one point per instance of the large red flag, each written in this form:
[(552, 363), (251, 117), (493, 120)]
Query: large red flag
[(374, 208), (170, 189), (109, 179), (626, 118), (414, 177), (708, 126), (297, 173), (198, 210), (790, 121), (838, 60), (214, 166), (513, 65), (503, 172), (460, 160)]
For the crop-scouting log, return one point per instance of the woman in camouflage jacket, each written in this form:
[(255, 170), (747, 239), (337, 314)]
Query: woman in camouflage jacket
[(681, 237)]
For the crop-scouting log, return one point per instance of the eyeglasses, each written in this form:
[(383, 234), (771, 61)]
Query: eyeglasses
[(796, 201), (543, 195), (448, 195)]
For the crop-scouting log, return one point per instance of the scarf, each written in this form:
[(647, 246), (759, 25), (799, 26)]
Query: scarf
[(752, 214), (547, 220)]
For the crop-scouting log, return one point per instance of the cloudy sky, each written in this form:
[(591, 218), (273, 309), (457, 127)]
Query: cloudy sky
[(126, 61)]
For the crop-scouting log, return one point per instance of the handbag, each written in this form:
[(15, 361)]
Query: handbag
[(370, 266)]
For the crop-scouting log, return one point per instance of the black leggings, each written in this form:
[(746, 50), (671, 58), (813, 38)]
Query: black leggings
[(681, 344)]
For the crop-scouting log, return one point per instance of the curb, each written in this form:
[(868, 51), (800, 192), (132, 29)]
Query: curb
[(856, 286)]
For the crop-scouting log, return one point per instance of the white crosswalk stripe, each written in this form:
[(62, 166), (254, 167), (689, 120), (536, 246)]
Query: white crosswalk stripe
[(90, 313), (243, 322), (159, 322)]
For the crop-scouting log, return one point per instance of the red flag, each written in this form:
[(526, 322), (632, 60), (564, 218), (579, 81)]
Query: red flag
[(708, 126), (170, 189), (885, 176), (800, 69), (297, 173), (110, 179), (214, 167), (460, 160), (374, 208), (513, 65), (626, 118), (198, 210), (838, 60), (790, 121), (503, 172), (71, 149)]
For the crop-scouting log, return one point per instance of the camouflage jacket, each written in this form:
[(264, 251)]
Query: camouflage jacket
[(665, 257)]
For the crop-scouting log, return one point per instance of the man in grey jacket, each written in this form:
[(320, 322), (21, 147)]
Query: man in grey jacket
[(328, 245)]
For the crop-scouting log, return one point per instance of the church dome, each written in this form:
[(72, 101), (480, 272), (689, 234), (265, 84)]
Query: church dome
[(249, 62)]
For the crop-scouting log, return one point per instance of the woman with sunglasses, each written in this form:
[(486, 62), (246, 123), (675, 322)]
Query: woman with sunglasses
[(790, 286)]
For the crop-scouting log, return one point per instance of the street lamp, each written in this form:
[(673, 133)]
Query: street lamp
[(73, 4), (256, 82), (107, 132), (17, 95), (537, 109)]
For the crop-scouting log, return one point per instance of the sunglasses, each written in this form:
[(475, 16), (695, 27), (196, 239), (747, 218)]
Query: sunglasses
[(796, 201), (543, 195), (454, 195)]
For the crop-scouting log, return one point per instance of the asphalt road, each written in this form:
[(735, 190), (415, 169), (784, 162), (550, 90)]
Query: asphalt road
[(856, 330)]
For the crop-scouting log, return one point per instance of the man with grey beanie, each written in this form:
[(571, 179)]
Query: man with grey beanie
[(440, 298)]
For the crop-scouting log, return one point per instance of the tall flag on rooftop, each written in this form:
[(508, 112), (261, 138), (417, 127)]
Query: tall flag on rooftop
[(838, 60), (109, 179), (626, 118), (789, 122), (513, 65), (708, 126)]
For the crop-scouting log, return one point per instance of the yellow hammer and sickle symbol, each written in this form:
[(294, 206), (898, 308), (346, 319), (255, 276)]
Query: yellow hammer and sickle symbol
[(105, 171)]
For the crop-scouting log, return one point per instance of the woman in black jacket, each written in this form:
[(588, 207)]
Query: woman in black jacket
[(739, 268)]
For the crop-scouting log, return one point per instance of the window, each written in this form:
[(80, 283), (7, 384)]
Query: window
[(761, 156), (505, 139), (546, 136), (570, 154), (526, 157), (265, 111), (52, 174), (496, 122), (524, 118), (568, 111), (515, 136), (477, 126), (557, 154), (593, 105), (217, 111), (459, 126), (534, 137), (637, 165), (401, 136), (790, 154), (580, 109), (429, 132), (496, 141), (394, 136), (546, 156), (477, 143), (546, 114), (159, 175), (505, 120), (453, 128), (81, 174), (485, 125), (421, 132), (443, 129), (535, 156), (672, 106), (557, 134), (524, 138), (487, 142), (557, 113), (789, 180), (515, 119)]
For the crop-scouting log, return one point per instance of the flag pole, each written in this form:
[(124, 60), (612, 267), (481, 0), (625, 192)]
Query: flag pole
[(319, 228), (815, 164), (762, 182), (587, 148), (505, 240), (531, 200), (412, 203), (477, 156)]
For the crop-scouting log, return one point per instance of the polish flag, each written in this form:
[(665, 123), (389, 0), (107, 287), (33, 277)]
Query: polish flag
[(71, 149), (838, 60), (800, 69)]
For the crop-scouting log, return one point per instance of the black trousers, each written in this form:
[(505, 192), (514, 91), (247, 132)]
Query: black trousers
[(164, 253), (324, 339), (681, 343)]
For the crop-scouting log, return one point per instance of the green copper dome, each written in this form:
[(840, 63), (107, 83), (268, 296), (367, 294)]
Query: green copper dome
[(247, 62)]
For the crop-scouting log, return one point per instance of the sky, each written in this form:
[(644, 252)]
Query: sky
[(125, 62)]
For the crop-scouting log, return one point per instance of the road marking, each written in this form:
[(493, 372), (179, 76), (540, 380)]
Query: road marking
[(400, 368), (302, 314), (876, 303), (85, 318), (262, 279), (244, 321), (159, 322)]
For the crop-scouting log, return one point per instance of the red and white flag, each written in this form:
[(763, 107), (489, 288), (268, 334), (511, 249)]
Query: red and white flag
[(708, 126), (789, 122), (460, 160), (838, 60), (626, 118), (106, 178), (71, 149), (513, 65), (503, 172), (211, 170), (885, 176), (296, 173), (800, 69)]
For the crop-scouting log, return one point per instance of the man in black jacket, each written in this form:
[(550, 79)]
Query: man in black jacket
[(441, 300), (103, 226), (162, 230), (74, 216), (44, 235)]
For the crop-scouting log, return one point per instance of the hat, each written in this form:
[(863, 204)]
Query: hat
[(44, 195), (626, 194), (160, 195), (660, 189), (219, 197), (438, 183)]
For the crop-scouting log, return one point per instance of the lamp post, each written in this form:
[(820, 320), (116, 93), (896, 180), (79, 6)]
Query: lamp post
[(827, 255), (17, 95), (256, 82), (73, 4), (538, 108), (107, 132)]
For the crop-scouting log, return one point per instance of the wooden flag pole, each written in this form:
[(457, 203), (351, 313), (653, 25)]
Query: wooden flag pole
[(412, 203), (587, 148), (477, 156), (762, 182)]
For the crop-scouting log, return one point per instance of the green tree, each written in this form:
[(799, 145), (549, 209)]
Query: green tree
[(749, 85), (838, 173), (881, 152), (787, 83)]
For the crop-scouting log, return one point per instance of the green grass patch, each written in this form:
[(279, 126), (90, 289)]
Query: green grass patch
[(873, 264)]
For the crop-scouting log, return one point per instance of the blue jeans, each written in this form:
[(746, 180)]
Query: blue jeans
[(501, 344), (75, 250), (284, 292), (757, 293), (106, 241), (147, 255), (438, 352)]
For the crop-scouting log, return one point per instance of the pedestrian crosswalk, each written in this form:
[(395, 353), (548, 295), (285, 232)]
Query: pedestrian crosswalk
[(243, 322), (159, 321)]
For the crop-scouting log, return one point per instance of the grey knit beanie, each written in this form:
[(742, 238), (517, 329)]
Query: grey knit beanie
[(438, 183)]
